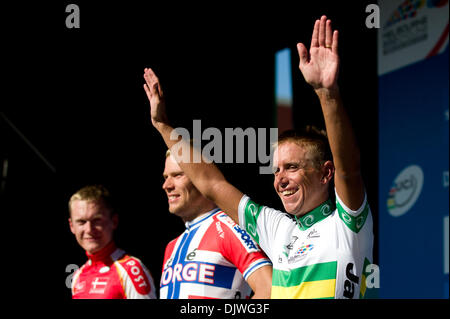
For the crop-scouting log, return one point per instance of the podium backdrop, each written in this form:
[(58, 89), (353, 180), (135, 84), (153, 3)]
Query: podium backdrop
[(413, 149)]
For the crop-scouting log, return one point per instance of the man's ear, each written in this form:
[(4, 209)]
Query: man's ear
[(327, 172)]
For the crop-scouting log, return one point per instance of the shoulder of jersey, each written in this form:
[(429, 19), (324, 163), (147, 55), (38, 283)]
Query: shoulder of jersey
[(78, 273), (238, 231), (172, 242), (224, 218), (134, 269)]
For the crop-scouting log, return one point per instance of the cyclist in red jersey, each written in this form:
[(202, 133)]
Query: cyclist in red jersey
[(109, 272)]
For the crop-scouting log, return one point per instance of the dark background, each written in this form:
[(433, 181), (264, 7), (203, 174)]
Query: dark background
[(77, 96)]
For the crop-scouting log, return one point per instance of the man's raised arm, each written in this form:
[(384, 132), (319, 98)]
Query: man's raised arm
[(206, 177), (320, 69)]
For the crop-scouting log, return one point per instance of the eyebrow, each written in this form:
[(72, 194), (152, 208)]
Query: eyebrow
[(96, 216), (173, 173)]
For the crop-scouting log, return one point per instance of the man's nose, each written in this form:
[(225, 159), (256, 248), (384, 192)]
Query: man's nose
[(168, 184), (281, 179), (90, 226)]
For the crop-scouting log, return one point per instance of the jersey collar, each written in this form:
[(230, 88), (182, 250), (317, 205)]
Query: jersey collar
[(316, 215), (103, 254), (198, 220)]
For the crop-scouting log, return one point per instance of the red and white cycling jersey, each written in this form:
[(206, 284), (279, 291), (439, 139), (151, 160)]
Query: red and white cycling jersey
[(112, 274), (213, 258)]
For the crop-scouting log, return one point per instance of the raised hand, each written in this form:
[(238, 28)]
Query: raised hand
[(320, 67), (155, 96)]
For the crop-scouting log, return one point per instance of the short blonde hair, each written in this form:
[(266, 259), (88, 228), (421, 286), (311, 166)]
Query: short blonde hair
[(93, 193)]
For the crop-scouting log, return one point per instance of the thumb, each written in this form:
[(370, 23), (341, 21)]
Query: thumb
[(302, 53)]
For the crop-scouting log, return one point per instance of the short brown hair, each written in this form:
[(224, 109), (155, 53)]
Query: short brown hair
[(92, 193), (311, 137)]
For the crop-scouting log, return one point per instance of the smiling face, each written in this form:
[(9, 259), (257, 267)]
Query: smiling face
[(92, 224), (184, 199), (300, 185)]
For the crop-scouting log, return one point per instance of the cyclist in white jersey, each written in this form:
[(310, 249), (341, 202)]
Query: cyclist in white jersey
[(320, 248)]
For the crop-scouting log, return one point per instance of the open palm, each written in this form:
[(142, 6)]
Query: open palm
[(155, 96), (320, 67)]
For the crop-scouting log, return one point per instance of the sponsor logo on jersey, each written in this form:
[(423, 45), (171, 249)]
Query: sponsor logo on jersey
[(242, 235), (351, 281), (191, 255), (290, 246), (98, 285), (189, 272), (137, 276), (246, 239), (405, 190), (300, 253), (304, 249), (220, 230), (313, 234)]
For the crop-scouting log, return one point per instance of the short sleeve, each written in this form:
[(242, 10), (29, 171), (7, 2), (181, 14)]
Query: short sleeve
[(137, 281), (353, 219), (261, 222), (238, 247)]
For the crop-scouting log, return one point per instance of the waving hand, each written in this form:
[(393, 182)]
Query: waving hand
[(320, 67)]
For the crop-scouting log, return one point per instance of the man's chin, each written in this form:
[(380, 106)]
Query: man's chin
[(92, 248), (174, 211), (291, 208)]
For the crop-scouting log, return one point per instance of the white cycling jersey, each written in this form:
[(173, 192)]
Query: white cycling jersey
[(322, 254)]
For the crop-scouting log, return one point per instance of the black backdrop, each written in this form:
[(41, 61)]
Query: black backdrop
[(77, 95)]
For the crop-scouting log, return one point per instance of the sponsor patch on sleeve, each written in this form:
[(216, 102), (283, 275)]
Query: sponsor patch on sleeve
[(137, 275), (245, 239)]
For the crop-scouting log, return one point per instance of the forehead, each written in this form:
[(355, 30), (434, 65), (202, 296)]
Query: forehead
[(290, 152), (171, 166), (88, 208)]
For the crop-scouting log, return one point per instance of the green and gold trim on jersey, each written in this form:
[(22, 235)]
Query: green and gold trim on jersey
[(316, 281), (251, 213), (354, 223), (316, 215)]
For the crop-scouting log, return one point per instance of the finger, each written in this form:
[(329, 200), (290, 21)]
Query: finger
[(322, 31), (152, 85), (147, 78), (160, 90), (155, 82), (315, 35), (152, 75), (328, 35), (302, 53), (334, 46), (147, 91), (152, 81)]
